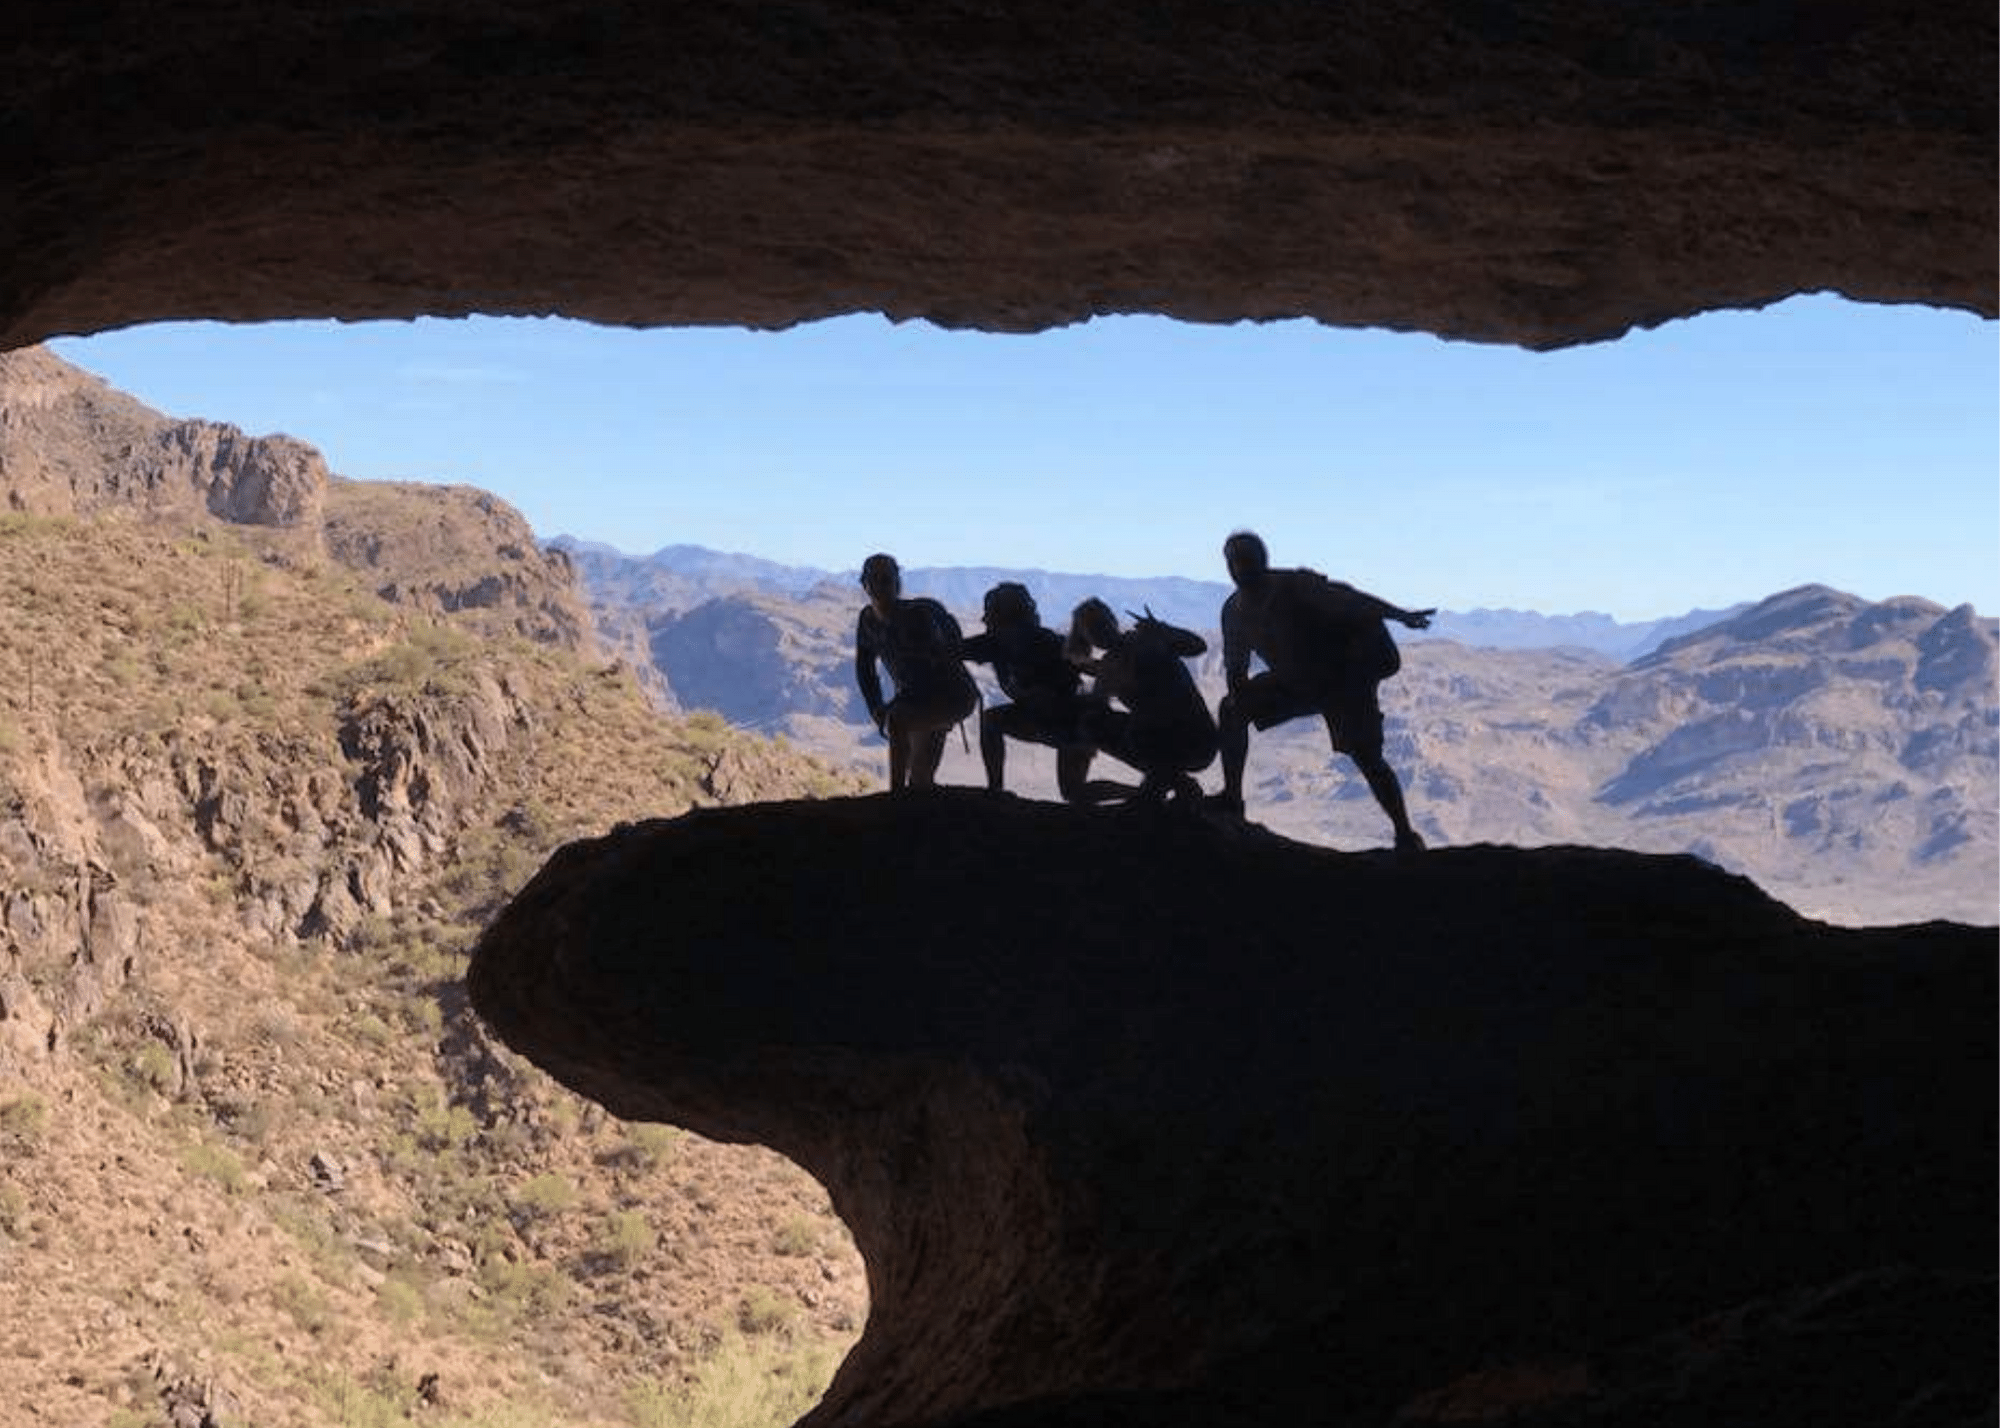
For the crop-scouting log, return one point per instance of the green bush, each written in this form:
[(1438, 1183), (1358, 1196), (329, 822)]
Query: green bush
[(215, 1163), (648, 1146), (764, 1311), (23, 1121), (798, 1236), (547, 1194), (154, 1066), (745, 1383), (627, 1238), (307, 1306), (400, 1301)]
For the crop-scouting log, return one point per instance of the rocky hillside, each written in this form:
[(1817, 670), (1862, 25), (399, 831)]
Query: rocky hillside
[(273, 747), (1844, 754)]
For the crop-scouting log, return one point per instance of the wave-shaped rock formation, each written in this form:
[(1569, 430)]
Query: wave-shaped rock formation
[(1139, 1118), (1512, 171)]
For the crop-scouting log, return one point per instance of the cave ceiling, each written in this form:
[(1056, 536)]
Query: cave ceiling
[(1529, 173)]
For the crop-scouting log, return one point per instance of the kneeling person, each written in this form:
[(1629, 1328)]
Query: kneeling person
[(1047, 707), (1164, 730)]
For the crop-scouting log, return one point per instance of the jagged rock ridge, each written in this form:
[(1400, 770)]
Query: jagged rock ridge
[(72, 445)]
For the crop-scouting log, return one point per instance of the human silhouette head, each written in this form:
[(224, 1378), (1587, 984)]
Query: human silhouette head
[(1246, 558), (882, 578), (1009, 603), (1094, 621)]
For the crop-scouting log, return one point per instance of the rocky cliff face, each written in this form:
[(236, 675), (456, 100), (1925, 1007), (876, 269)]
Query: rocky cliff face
[(206, 688), (72, 445), (456, 550), (1140, 1119)]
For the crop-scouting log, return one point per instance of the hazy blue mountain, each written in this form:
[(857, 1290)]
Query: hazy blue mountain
[(677, 578), (1587, 630)]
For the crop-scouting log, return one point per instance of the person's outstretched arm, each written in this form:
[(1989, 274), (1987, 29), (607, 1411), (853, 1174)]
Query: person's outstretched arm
[(1381, 609)]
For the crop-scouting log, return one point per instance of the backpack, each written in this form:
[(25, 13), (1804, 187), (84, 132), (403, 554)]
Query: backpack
[(1314, 627)]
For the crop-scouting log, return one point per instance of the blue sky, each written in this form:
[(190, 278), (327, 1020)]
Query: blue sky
[(1707, 461)]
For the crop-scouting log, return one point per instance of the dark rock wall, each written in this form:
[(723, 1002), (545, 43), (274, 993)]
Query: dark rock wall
[(1516, 171), (1137, 1118)]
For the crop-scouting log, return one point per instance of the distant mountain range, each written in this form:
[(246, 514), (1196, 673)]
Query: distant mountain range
[(680, 577)]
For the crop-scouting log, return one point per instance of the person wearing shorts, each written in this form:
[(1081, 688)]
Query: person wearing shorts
[(1326, 652), (917, 642)]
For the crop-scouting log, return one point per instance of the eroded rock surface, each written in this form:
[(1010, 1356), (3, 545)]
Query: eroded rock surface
[(1139, 1118), (1511, 171)]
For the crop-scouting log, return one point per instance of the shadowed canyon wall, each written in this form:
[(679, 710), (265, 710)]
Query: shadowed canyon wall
[(1520, 172)]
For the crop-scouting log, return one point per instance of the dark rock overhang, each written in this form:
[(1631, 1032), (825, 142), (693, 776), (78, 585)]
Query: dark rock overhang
[(1530, 173), (1138, 1118)]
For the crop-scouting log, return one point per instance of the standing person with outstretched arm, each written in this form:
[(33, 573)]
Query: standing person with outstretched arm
[(1326, 650), (917, 641)]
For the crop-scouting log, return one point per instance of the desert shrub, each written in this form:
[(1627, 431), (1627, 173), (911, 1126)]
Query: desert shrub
[(24, 1120), (331, 1257), (647, 1146), (214, 1162), (307, 1306), (744, 1383), (371, 1030), (547, 1194), (400, 1301), (518, 1291), (443, 1126), (797, 1236), (276, 1025), (353, 1404), (154, 1067), (627, 1238), (762, 1310), (13, 1211)]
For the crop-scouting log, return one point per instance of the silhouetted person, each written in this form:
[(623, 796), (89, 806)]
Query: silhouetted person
[(1325, 650), (917, 641), (1047, 705), (1165, 730)]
